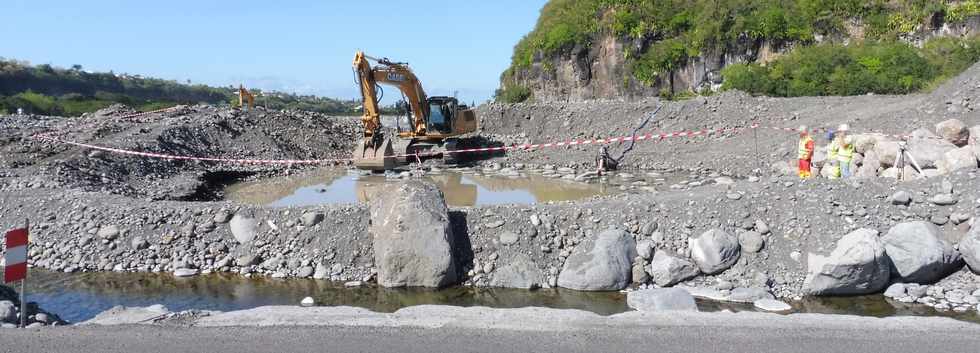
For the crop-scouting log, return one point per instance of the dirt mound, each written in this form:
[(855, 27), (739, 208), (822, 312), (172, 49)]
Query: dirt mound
[(199, 131)]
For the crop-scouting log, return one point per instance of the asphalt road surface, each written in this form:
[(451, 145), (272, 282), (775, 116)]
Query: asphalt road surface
[(133, 338)]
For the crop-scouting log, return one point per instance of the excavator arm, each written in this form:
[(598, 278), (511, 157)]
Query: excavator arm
[(393, 74)]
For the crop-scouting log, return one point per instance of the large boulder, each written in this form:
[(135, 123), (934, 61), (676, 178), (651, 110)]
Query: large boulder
[(714, 251), (661, 299), (864, 143), (970, 248), (519, 272), (953, 131), (887, 151), (956, 159), (918, 253), (858, 265), (667, 269), (413, 239), (928, 152), (600, 263), (869, 166)]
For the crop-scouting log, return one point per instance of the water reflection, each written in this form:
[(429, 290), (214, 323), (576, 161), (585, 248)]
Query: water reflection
[(337, 186), (78, 297)]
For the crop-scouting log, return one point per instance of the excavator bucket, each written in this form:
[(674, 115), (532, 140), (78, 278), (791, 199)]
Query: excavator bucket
[(369, 158)]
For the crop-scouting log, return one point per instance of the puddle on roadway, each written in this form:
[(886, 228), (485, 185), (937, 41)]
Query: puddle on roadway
[(80, 296), (461, 189)]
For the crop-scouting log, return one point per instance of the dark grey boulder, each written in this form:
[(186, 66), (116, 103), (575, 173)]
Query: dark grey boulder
[(970, 248), (714, 251), (600, 263), (518, 272), (667, 269), (919, 254), (858, 265)]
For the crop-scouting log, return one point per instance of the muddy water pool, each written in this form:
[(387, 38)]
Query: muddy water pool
[(461, 188)]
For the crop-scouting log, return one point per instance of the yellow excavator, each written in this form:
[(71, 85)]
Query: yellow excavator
[(429, 128), (246, 100)]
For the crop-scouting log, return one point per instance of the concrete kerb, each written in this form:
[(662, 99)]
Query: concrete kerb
[(545, 319)]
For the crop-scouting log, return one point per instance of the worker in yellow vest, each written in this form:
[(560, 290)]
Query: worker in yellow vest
[(833, 151), (845, 156), (806, 146)]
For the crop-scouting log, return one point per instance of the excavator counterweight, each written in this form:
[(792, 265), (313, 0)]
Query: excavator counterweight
[(434, 122)]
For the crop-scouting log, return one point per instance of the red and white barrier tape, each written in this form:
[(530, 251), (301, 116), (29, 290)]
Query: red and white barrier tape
[(525, 147), (598, 141), (649, 136), (191, 158)]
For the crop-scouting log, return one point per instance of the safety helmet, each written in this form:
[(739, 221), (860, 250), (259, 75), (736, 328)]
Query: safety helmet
[(843, 127), (802, 128)]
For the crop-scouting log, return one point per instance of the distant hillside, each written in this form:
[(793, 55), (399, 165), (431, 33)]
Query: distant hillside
[(588, 49), (48, 90)]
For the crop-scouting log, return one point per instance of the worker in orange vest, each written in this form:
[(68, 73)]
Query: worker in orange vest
[(805, 152)]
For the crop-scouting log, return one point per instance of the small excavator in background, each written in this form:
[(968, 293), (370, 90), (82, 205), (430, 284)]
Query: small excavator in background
[(246, 100), (433, 123)]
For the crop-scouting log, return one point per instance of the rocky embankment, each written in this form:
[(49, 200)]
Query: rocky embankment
[(10, 311)]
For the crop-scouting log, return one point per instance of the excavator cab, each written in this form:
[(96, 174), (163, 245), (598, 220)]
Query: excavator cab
[(442, 110)]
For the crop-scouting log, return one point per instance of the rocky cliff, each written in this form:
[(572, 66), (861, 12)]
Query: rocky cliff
[(602, 67)]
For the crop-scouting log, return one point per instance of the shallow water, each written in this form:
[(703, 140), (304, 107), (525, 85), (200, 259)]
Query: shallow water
[(460, 189), (80, 296)]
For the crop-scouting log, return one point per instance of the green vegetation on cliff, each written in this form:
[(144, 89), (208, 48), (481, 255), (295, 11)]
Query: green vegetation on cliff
[(870, 67), (47, 90), (677, 30)]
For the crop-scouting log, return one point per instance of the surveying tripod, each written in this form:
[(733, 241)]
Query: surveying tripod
[(903, 154)]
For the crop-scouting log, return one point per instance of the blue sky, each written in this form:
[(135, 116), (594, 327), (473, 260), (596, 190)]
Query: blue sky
[(296, 46)]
